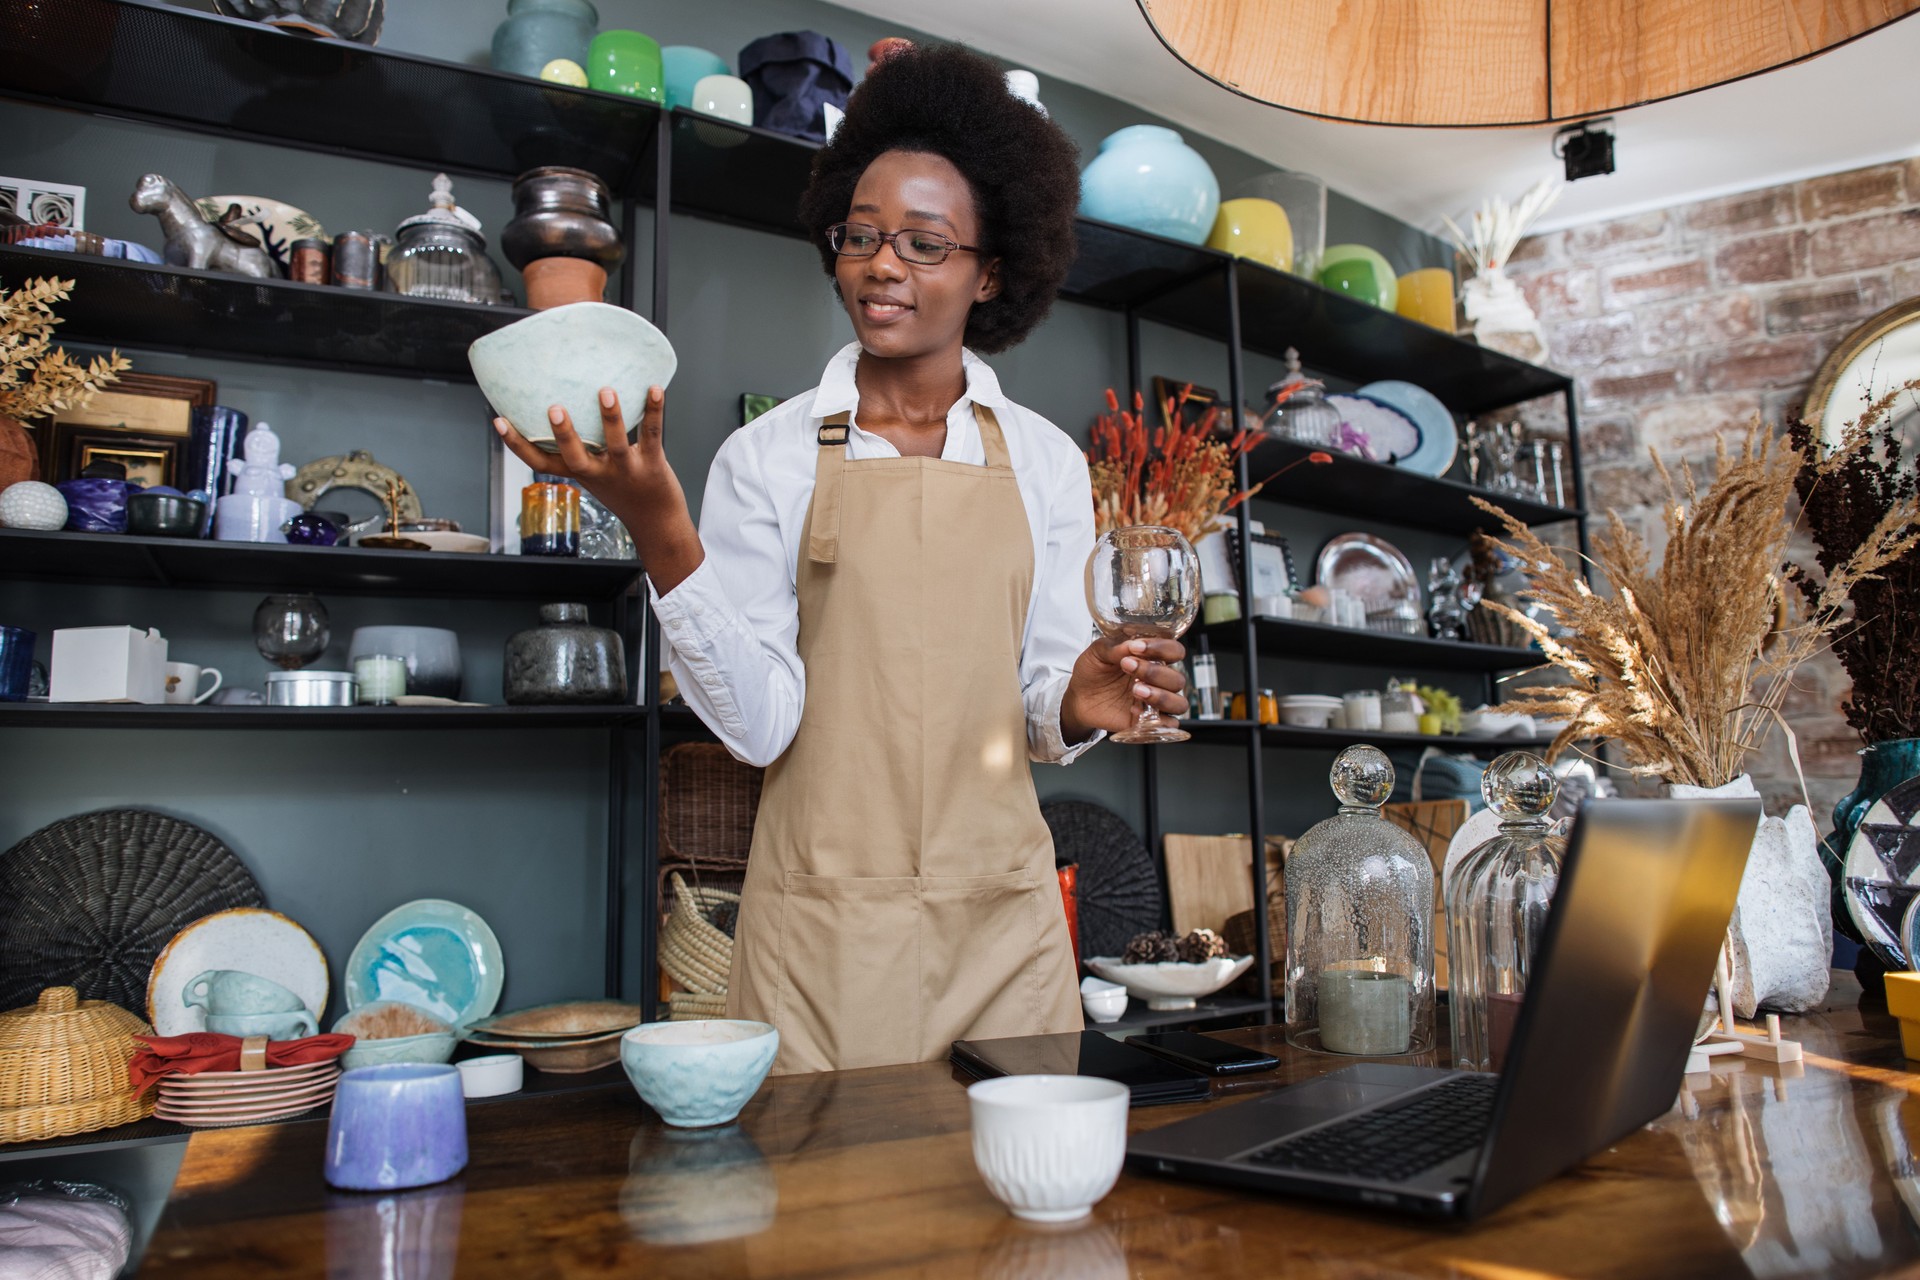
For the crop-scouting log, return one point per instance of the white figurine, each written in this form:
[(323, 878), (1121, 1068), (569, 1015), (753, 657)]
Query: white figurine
[(259, 504)]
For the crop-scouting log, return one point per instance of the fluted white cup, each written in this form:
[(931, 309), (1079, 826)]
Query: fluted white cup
[(1049, 1147)]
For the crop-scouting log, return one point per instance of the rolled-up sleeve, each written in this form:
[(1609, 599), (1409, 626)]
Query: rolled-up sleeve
[(732, 626), (1058, 625)]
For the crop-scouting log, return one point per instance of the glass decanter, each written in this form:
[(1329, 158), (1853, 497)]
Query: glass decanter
[(1359, 971), (291, 630), (1497, 900)]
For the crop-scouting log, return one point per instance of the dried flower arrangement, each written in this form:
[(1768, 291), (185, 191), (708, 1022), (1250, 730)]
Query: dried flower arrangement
[(1497, 227), (1178, 475), (36, 377), (1844, 496), (1686, 664)]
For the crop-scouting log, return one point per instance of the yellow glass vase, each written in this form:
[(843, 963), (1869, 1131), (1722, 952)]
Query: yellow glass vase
[(1427, 296), (1254, 228)]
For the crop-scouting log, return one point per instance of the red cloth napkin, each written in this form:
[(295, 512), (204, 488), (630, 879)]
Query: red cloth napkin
[(199, 1051)]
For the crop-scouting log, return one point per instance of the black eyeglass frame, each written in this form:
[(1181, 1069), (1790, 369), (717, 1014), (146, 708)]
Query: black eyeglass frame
[(890, 238)]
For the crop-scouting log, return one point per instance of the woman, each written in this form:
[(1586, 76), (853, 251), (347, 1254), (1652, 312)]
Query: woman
[(883, 602)]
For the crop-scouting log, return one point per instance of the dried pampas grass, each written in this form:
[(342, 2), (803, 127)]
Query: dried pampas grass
[(1685, 664)]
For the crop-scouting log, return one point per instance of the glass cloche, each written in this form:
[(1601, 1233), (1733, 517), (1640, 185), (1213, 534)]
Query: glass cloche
[(441, 253), (1304, 418), (1497, 900), (1359, 973)]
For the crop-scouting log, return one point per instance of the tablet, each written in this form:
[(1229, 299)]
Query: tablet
[(1083, 1053)]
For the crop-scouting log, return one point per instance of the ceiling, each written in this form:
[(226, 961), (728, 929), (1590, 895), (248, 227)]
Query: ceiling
[(1844, 109)]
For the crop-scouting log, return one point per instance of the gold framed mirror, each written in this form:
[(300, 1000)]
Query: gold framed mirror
[(1869, 362)]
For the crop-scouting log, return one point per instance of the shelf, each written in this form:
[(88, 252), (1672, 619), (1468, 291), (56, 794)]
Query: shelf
[(1377, 492), (190, 562), (1287, 735), (738, 174), (125, 715), (156, 307), (1207, 1009), (1286, 640), (174, 67)]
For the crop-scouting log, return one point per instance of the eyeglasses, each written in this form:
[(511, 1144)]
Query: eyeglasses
[(922, 248)]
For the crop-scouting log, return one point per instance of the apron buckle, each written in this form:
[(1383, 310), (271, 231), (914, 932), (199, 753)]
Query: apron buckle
[(823, 438)]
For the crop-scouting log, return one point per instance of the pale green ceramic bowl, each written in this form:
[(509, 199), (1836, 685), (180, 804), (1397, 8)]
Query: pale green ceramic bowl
[(564, 356)]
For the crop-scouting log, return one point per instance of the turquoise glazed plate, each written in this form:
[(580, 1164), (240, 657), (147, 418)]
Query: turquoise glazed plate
[(1439, 437), (433, 954)]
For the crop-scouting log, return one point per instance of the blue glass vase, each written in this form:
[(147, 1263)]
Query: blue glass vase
[(1146, 178), (538, 31), (1883, 766)]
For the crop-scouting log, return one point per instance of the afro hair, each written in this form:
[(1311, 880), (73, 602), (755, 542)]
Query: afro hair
[(948, 101)]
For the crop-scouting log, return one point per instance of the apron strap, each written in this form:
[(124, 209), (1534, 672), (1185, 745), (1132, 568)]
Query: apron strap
[(823, 540), (830, 464)]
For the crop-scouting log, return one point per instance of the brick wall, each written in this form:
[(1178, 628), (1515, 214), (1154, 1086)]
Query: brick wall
[(1682, 323)]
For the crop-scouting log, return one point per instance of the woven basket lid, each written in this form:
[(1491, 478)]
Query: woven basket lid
[(62, 1053), (89, 901), (1117, 887)]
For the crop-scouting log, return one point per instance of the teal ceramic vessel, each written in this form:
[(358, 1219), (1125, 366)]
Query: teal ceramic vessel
[(697, 1074), (685, 66), (627, 62), (538, 31), (1883, 766), (1146, 178)]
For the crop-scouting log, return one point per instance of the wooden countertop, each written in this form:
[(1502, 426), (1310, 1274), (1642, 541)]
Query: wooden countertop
[(1762, 1171)]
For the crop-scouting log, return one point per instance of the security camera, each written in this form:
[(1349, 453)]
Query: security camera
[(1585, 148)]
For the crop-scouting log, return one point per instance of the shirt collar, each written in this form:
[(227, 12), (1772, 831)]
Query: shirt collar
[(838, 393)]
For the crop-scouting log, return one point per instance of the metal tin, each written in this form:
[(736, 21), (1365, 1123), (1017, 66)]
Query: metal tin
[(311, 689), (308, 261), (355, 261)]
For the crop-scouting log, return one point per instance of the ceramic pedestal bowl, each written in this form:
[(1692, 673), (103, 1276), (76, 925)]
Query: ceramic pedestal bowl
[(389, 1031), (1171, 986), (697, 1074), (564, 356)]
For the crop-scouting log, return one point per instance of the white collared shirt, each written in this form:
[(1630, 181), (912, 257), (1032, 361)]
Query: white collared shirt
[(733, 624)]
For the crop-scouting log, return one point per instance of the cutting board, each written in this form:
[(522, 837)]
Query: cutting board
[(1211, 877)]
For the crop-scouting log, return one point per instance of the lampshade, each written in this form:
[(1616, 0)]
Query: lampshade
[(1467, 63)]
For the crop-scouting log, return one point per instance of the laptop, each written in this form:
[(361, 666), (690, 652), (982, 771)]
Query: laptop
[(1599, 1048)]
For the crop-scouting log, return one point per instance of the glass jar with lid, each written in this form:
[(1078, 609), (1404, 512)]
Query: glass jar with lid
[(1359, 969), (1305, 417), (441, 254), (1497, 900), (1400, 708)]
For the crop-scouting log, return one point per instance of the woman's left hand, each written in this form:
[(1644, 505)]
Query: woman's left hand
[(1111, 678)]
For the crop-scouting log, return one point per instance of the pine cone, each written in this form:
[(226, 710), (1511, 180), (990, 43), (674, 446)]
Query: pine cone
[(1151, 948), (1200, 946)]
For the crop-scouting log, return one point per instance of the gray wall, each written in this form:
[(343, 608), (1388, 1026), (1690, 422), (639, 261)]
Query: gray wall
[(340, 826)]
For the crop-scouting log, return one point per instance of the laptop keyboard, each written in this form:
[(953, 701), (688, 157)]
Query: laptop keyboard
[(1392, 1144)]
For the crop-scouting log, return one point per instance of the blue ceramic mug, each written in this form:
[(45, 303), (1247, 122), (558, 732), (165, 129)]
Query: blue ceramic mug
[(16, 663), (403, 1124), (295, 1025)]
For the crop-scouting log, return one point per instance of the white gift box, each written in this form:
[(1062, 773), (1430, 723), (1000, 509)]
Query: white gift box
[(108, 664)]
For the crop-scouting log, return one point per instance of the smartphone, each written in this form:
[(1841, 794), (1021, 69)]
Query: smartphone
[(1203, 1053)]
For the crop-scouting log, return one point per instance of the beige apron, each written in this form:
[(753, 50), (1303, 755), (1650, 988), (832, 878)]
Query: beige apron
[(901, 892)]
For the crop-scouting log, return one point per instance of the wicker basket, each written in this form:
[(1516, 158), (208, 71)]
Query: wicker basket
[(63, 1067), (707, 805), (694, 951), (695, 1006)]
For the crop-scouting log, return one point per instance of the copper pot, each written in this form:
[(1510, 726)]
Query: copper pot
[(561, 213)]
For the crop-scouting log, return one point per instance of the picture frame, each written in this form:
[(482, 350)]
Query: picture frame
[(1200, 400), (149, 459), (52, 204), (1273, 569), (152, 404)]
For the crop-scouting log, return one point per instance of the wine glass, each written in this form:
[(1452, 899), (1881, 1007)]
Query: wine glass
[(1143, 581)]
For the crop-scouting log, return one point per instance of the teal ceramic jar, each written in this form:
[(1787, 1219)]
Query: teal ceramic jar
[(538, 31), (627, 62), (1883, 766), (1146, 178), (686, 67)]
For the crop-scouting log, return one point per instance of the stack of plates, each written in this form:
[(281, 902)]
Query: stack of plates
[(566, 1039), (246, 1097)]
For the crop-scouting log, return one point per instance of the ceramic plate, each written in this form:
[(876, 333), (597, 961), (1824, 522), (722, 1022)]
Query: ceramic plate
[(278, 225), (1368, 567), (434, 954), (441, 540), (1439, 437), (1390, 433), (569, 1020), (1883, 875), (174, 1100), (250, 939)]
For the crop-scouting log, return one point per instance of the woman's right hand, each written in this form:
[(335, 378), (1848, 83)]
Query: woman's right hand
[(633, 480)]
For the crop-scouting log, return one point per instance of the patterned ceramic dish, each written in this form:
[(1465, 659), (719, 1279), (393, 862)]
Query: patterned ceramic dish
[(697, 1074), (432, 954), (250, 939), (1439, 436), (277, 224)]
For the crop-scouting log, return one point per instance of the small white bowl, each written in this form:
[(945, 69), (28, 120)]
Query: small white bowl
[(491, 1076), (1104, 1006), (1049, 1147)]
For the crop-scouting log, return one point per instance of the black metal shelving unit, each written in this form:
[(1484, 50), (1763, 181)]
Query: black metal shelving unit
[(147, 61)]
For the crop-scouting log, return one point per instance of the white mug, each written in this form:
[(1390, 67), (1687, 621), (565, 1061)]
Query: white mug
[(183, 683)]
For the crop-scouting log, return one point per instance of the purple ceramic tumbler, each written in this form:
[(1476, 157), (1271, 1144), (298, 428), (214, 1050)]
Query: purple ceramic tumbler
[(400, 1124)]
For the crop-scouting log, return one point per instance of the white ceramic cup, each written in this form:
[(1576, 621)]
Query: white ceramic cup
[(183, 683), (491, 1076), (728, 97), (1049, 1147)]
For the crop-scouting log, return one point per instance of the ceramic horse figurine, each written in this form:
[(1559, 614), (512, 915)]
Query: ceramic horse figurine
[(194, 242)]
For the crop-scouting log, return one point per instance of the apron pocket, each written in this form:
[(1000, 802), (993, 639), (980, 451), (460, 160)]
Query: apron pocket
[(981, 943), (849, 971)]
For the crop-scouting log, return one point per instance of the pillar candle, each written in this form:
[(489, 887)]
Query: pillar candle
[(1365, 1012), (381, 678)]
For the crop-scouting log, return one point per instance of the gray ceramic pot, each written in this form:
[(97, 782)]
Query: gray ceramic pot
[(565, 661), (560, 213)]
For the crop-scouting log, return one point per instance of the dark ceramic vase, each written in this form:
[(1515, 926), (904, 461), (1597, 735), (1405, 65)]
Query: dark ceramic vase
[(565, 661), (1883, 766), (560, 213)]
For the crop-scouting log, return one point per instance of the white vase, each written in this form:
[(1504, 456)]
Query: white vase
[(1501, 316), (1782, 930)]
